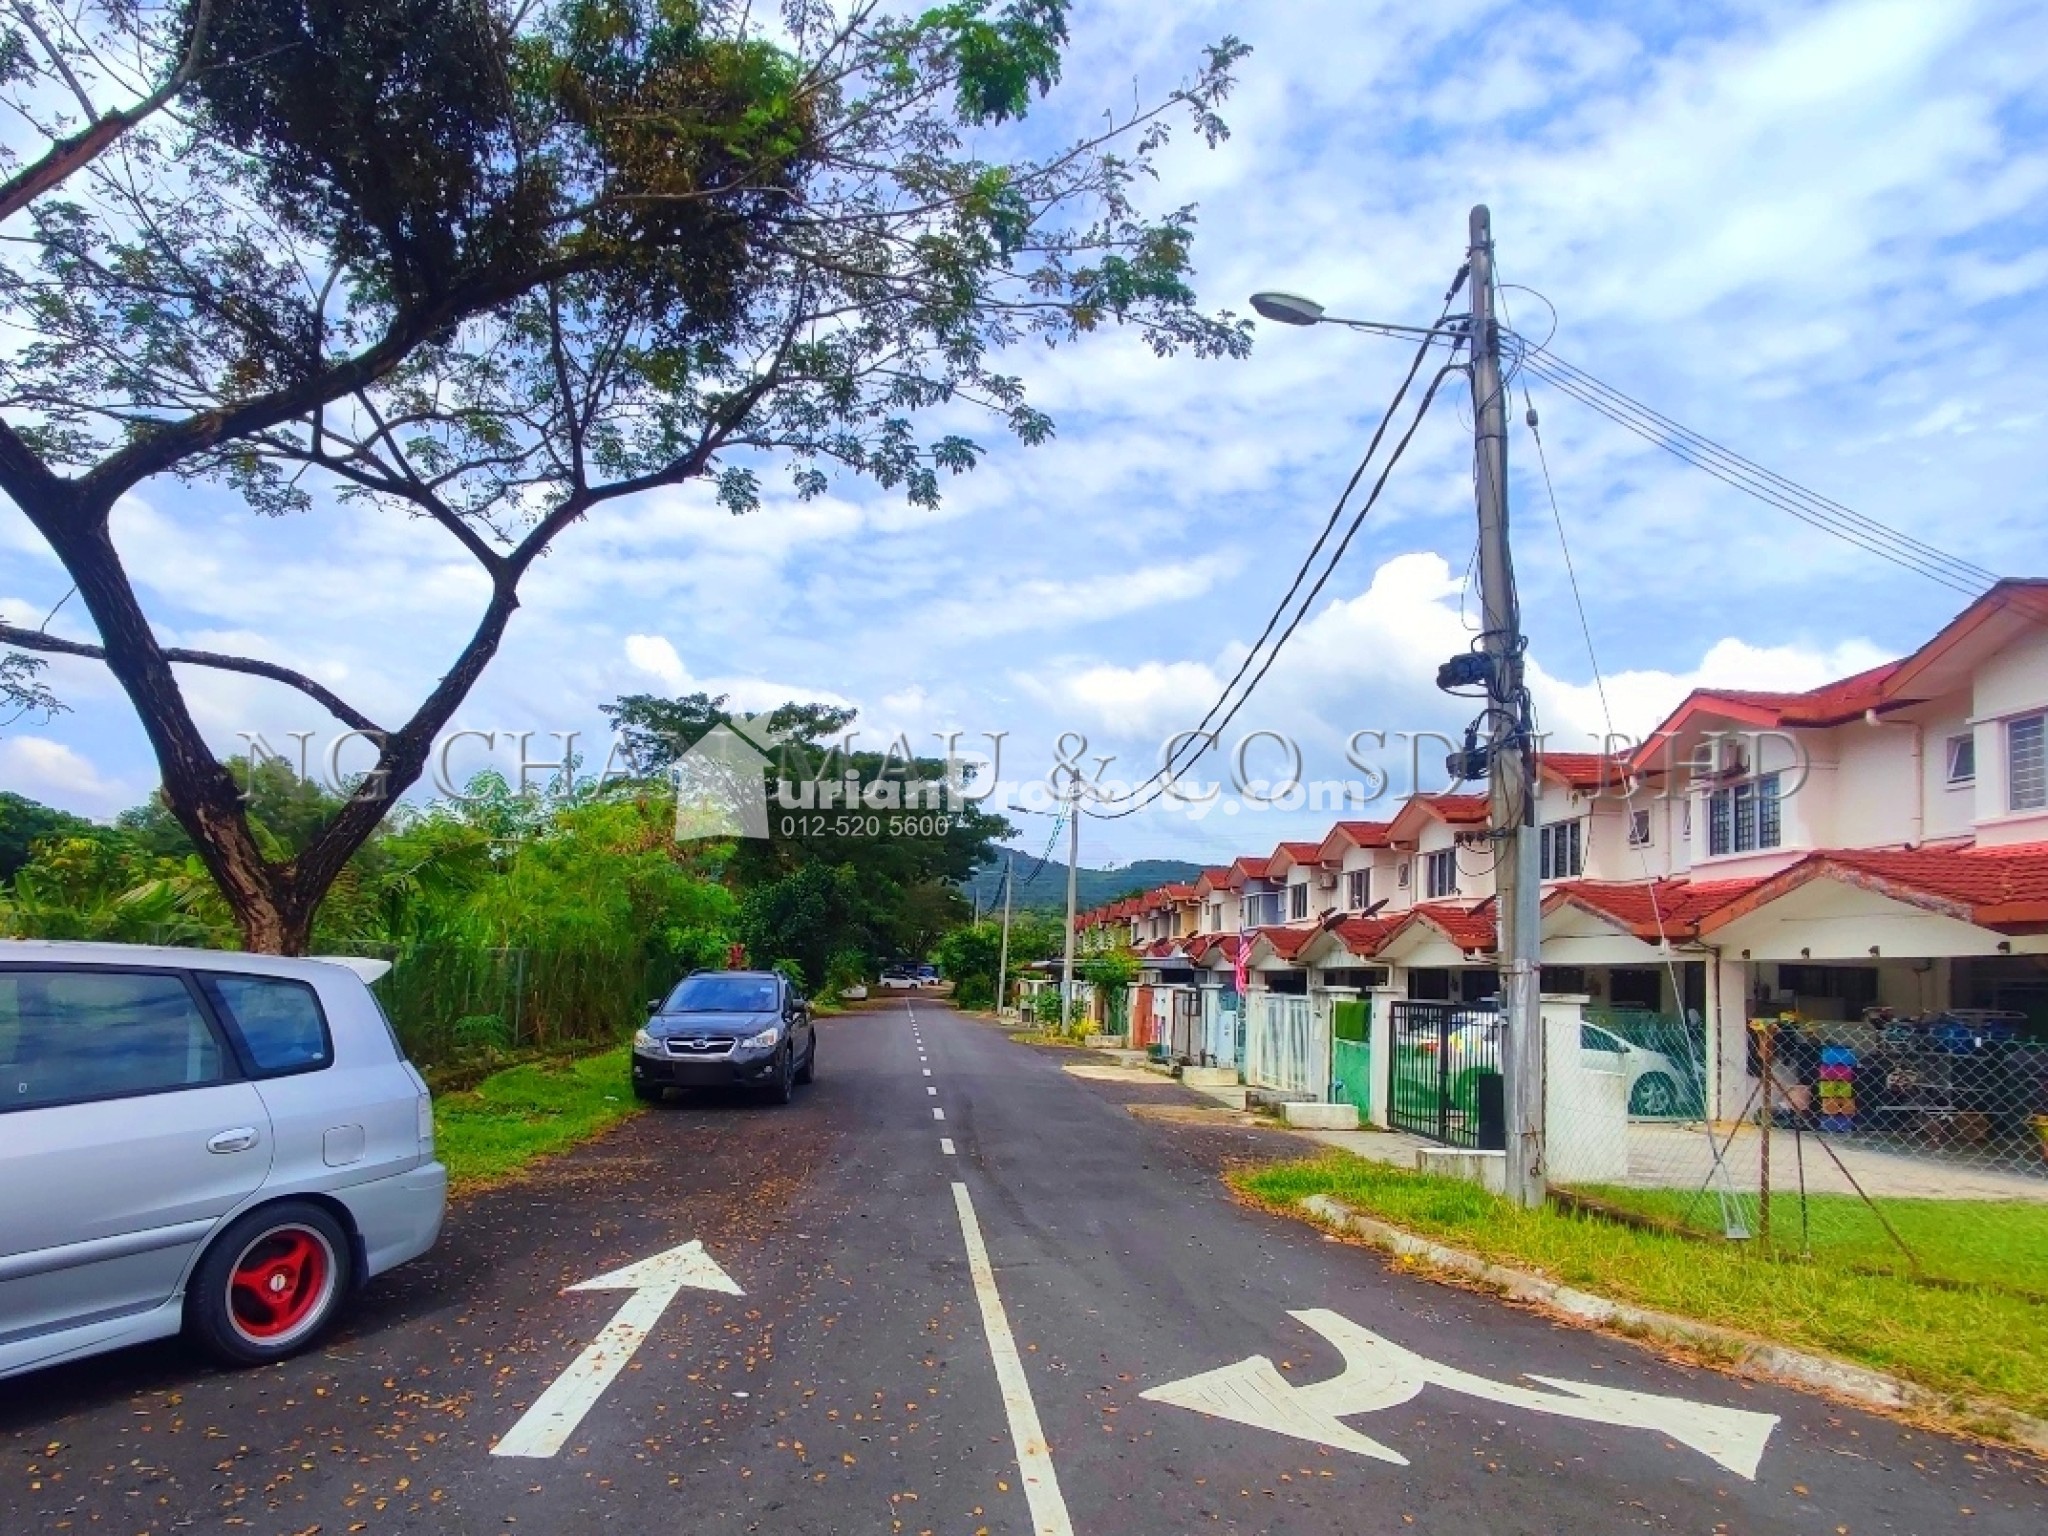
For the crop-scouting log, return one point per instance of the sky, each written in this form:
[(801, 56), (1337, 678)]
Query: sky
[(1814, 233)]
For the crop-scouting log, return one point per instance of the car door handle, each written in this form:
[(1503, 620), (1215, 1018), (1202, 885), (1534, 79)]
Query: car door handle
[(240, 1139)]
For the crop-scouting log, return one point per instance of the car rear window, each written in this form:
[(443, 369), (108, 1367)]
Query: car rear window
[(723, 994), (72, 1035), (277, 1022)]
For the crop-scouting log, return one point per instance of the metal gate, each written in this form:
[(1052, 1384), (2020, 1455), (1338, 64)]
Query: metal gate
[(1444, 1073), (1184, 1029), (1283, 1049)]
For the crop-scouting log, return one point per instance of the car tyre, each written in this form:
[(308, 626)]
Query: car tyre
[(648, 1093), (808, 1072), (1654, 1097), (784, 1087), (269, 1284)]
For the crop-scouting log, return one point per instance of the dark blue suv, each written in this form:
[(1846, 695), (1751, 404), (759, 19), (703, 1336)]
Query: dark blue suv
[(726, 1029)]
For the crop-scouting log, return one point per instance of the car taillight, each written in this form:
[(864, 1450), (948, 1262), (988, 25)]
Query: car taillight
[(426, 1125)]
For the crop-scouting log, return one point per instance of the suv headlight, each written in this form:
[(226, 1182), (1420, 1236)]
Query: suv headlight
[(763, 1040), (643, 1041)]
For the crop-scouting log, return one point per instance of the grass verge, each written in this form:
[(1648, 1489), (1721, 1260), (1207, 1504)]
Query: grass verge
[(1969, 1325), (487, 1133)]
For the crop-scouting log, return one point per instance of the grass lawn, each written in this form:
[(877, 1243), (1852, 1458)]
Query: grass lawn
[(512, 1117), (1974, 1324)]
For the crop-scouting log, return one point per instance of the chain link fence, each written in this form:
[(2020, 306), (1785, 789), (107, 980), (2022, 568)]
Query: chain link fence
[(1843, 1126)]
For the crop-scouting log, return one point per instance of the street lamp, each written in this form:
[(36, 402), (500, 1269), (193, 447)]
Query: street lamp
[(1293, 309), (1287, 308)]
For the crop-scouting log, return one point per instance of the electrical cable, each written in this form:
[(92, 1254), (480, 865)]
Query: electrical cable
[(1817, 511), (1307, 602), (1203, 727)]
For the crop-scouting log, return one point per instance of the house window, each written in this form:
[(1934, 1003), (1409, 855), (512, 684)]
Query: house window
[(1297, 902), (1358, 889), (1962, 758), (1401, 875), (2026, 787), (1563, 850), (1639, 829), (1745, 817), (1440, 873), (1264, 909)]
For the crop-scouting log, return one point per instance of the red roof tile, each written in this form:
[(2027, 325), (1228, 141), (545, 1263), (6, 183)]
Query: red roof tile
[(1249, 867), (1585, 770), (2003, 889), (1364, 936), (1673, 907), (1284, 942), (1357, 834), (1470, 928)]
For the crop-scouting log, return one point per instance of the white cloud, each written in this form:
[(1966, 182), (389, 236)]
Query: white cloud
[(49, 771)]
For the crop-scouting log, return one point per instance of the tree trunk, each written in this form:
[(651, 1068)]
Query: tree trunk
[(197, 786)]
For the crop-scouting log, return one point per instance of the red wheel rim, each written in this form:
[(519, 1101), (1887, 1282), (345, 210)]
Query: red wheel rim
[(281, 1284)]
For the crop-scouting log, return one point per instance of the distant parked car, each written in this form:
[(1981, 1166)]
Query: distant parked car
[(928, 976), (1659, 1088), (726, 1029), (226, 1145), (896, 979)]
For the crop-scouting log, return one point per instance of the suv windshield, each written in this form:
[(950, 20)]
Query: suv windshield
[(722, 994)]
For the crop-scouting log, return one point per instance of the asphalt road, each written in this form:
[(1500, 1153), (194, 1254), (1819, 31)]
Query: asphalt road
[(862, 1383)]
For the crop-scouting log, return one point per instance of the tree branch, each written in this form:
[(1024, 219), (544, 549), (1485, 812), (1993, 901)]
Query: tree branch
[(347, 714), (65, 156)]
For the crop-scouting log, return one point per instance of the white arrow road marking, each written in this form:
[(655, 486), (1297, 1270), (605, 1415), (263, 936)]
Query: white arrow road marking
[(1381, 1374), (1034, 1457), (544, 1427)]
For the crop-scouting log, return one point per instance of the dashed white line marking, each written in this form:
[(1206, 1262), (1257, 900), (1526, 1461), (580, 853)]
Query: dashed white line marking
[(938, 1114), (946, 1145), (1034, 1458), (928, 1088), (927, 1071)]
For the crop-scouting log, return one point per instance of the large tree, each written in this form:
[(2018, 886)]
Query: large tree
[(500, 263)]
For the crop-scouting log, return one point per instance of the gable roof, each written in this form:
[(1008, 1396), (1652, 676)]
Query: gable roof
[(1287, 855), (2007, 608), (1213, 880), (1353, 834), (1673, 907), (1471, 928), (1455, 810), (1245, 867), (2002, 889)]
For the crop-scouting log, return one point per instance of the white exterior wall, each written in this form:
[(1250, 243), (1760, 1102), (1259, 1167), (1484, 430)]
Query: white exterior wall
[(1947, 810), (2012, 682), (1475, 872)]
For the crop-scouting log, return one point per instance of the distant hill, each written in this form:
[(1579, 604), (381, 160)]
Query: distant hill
[(1048, 887)]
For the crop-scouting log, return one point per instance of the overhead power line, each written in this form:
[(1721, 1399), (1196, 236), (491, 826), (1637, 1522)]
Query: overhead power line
[(1198, 741), (1731, 468), (1139, 798)]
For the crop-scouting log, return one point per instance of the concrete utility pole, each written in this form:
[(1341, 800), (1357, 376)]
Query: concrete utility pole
[(1003, 959), (1073, 859), (1511, 779)]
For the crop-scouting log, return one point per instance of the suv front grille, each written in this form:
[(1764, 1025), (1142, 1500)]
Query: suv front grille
[(688, 1046)]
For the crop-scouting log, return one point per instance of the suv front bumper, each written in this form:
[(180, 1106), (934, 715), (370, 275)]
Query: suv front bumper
[(742, 1069)]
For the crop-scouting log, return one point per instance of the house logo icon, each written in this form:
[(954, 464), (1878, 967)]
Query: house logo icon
[(722, 781)]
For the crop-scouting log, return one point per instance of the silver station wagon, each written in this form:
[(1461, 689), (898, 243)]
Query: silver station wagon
[(224, 1145)]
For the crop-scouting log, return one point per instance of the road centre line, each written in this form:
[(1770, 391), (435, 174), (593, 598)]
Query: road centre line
[(927, 1071), (1034, 1456), (938, 1114), (946, 1145), (928, 1088)]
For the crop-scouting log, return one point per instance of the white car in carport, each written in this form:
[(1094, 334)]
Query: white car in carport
[(224, 1145)]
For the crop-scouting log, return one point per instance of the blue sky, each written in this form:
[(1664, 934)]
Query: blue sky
[(1814, 232)]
